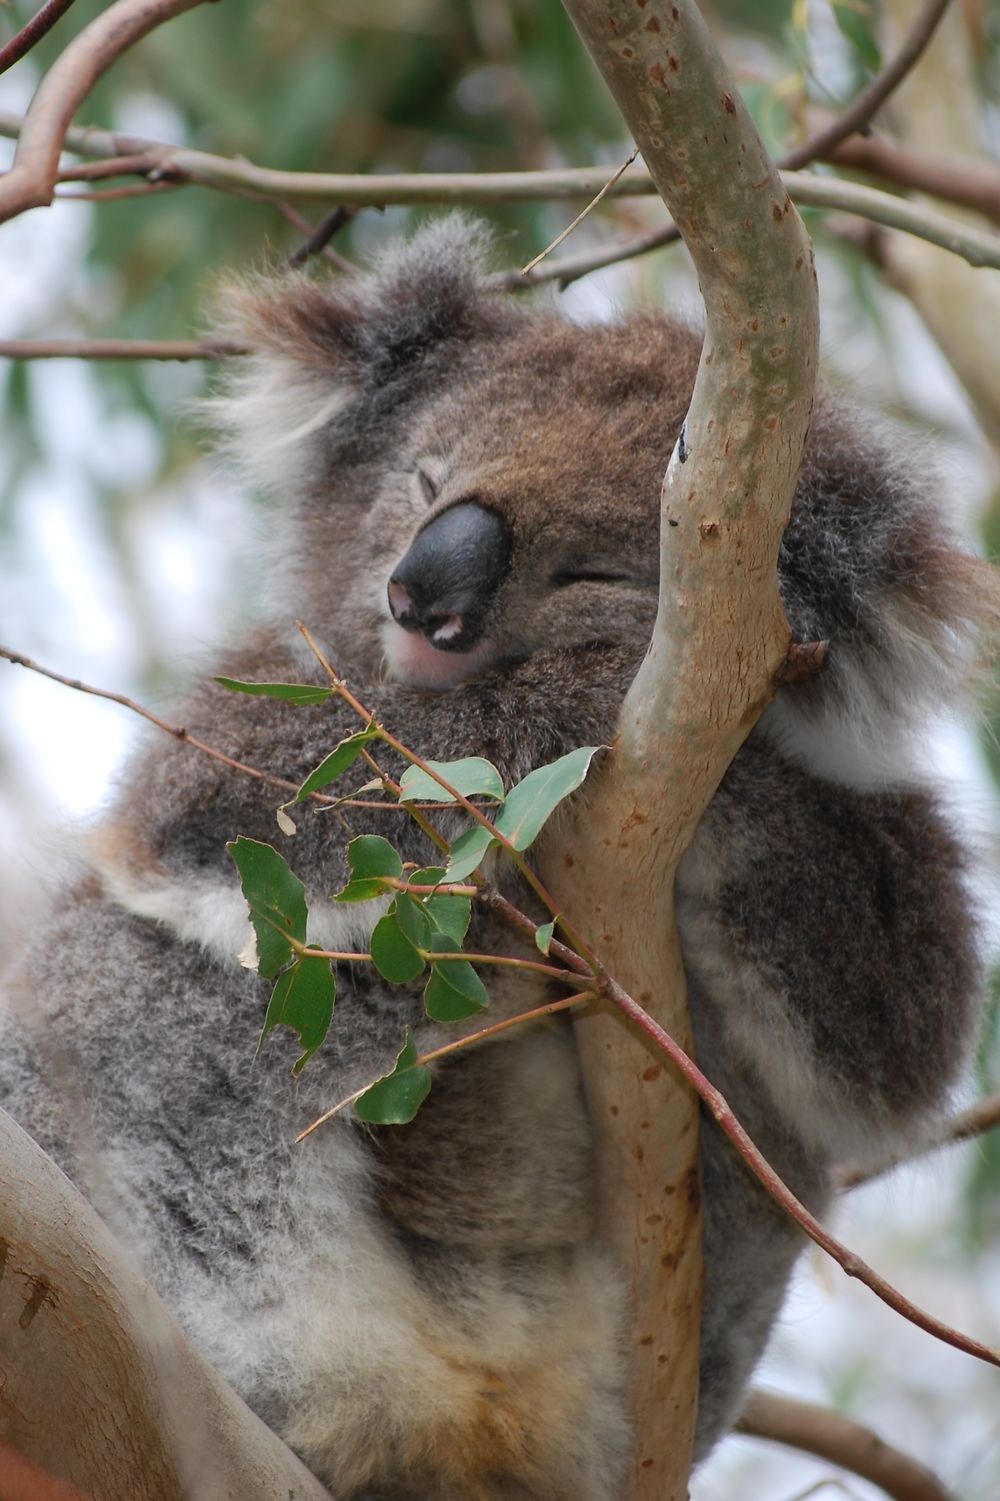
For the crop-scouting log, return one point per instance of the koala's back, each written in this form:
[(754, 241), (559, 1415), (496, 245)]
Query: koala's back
[(425, 1312)]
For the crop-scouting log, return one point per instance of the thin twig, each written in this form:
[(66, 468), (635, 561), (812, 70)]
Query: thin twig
[(31, 32), (525, 270), (872, 98), (847, 1260), (535, 1014), (319, 238), (979, 1118)]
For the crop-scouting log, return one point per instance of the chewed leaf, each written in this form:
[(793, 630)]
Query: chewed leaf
[(340, 759), (303, 1000), (372, 859), (277, 902), (285, 824), (467, 852), (531, 802), (472, 777), (393, 955), (395, 1099), (295, 693)]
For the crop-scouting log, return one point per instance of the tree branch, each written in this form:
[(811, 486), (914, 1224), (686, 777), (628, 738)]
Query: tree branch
[(139, 1413), (116, 349), (695, 699), (852, 1446), (33, 31), (30, 183), (872, 98)]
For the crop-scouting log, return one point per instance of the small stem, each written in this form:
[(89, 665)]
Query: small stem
[(537, 1012)]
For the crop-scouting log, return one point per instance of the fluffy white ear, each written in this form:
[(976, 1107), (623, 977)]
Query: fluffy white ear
[(346, 348)]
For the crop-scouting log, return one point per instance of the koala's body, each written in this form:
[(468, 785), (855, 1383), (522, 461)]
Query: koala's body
[(470, 496)]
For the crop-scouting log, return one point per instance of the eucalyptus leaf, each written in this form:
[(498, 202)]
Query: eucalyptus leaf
[(530, 803), (393, 955), (295, 693), (543, 936), (467, 852), (277, 902), (450, 914), (454, 990), (395, 1099), (340, 759), (303, 999), (413, 920), (472, 776)]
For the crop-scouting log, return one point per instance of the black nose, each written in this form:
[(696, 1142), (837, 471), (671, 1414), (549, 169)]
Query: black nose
[(443, 585)]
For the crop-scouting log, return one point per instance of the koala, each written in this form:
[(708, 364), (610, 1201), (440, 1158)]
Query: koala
[(465, 502)]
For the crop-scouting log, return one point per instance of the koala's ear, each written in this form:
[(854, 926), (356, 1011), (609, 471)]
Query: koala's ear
[(318, 349)]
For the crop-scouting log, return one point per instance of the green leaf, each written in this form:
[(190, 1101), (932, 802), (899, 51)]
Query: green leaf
[(467, 852), (395, 1099), (454, 990), (393, 955), (295, 693), (857, 24), (371, 859), (303, 1000), (413, 920), (450, 914), (277, 901), (431, 875), (340, 759), (529, 804), (472, 777), (370, 855), (543, 936)]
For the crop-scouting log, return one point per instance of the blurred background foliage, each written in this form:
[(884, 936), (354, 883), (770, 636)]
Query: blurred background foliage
[(119, 547)]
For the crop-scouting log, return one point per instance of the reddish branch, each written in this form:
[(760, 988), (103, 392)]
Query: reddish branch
[(804, 1425), (872, 98), (963, 180), (30, 183), (608, 988), (22, 43)]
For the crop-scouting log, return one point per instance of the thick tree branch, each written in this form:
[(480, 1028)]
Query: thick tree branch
[(720, 636), (135, 1412), (842, 1441), (30, 183)]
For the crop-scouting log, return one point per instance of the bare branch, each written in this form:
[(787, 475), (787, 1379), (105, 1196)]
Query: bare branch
[(30, 183), (842, 1441), (979, 1118), (116, 349), (872, 98), (956, 179), (33, 31)]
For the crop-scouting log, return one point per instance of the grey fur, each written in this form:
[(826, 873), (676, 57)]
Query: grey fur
[(424, 1313)]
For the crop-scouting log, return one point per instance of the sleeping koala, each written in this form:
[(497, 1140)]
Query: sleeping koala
[(467, 500)]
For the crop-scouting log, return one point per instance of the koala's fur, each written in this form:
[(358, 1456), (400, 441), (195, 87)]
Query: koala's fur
[(424, 1312)]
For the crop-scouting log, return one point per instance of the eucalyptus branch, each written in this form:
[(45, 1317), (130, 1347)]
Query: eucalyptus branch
[(979, 1118), (447, 1049), (847, 1260), (842, 1441), (962, 180), (31, 32), (30, 183), (871, 99), (577, 971), (376, 189)]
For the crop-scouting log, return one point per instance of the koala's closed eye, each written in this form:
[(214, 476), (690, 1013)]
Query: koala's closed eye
[(583, 574)]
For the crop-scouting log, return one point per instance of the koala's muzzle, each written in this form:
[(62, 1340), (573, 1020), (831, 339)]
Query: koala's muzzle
[(443, 585)]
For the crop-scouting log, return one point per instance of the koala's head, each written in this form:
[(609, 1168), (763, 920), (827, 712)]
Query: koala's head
[(471, 481)]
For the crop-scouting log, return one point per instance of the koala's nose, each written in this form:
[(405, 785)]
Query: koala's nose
[(444, 583)]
